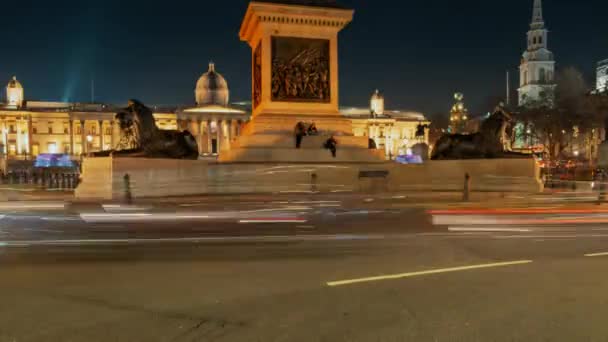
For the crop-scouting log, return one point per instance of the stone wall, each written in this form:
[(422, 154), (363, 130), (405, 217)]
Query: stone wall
[(103, 177)]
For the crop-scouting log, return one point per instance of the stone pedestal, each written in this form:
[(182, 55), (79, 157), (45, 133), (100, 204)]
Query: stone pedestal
[(295, 79), (602, 157)]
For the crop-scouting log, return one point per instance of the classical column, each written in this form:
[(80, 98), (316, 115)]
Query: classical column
[(83, 138), (112, 132), (28, 146), (201, 134), (71, 132), (18, 124), (233, 127), (239, 123), (208, 132), (219, 134), (228, 134), (4, 137), (101, 134)]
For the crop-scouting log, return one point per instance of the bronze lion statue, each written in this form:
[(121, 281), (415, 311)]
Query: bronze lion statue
[(141, 138), (488, 143)]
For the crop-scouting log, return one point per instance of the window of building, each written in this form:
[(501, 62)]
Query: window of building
[(50, 129), (66, 129), (540, 40), (12, 129), (51, 147), (34, 129), (93, 130), (108, 131), (78, 130), (12, 149), (525, 77)]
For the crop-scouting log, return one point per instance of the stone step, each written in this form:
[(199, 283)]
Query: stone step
[(273, 141), (303, 155)]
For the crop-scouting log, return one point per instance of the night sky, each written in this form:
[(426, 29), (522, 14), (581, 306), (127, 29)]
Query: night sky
[(417, 52)]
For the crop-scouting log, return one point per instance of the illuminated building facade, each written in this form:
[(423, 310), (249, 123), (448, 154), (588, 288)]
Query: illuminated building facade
[(537, 68), (30, 128), (602, 75), (395, 131)]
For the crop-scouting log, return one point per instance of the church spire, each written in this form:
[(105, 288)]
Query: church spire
[(537, 16)]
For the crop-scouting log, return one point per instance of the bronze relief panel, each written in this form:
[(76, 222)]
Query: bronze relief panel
[(300, 70), (257, 75)]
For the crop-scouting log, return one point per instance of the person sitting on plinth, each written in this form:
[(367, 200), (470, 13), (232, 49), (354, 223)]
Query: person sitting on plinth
[(300, 132), (312, 129), (331, 145)]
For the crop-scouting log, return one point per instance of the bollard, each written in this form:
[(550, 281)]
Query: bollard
[(467, 187), (128, 196), (313, 182), (602, 196)]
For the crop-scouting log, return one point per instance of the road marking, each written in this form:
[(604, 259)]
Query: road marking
[(488, 229), (421, 273), (596, 254)]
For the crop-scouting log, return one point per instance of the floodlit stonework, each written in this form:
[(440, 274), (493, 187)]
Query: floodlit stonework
[(29, 128), (537, 69)]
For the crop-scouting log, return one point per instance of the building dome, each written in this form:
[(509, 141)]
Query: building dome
[(212, 89), (377, 103), (14, 84), (14, 93)]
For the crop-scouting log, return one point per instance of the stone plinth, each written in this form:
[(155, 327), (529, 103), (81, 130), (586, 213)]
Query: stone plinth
[(488, 175), (269, 124), (263, 24), (103, 177), (294, 51)]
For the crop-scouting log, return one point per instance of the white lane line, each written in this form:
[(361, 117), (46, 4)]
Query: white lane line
[(488, 229), (427, 272), (596, 254)]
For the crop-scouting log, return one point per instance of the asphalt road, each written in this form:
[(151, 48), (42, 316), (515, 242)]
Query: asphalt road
[(317, 271)]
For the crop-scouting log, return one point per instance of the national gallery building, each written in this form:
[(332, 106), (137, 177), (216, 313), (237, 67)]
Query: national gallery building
[(30, 128)]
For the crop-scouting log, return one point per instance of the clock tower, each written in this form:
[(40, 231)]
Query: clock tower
[(537, 69)]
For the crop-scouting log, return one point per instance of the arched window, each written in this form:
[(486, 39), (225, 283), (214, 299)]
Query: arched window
[(540, 40), (525, 77)]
